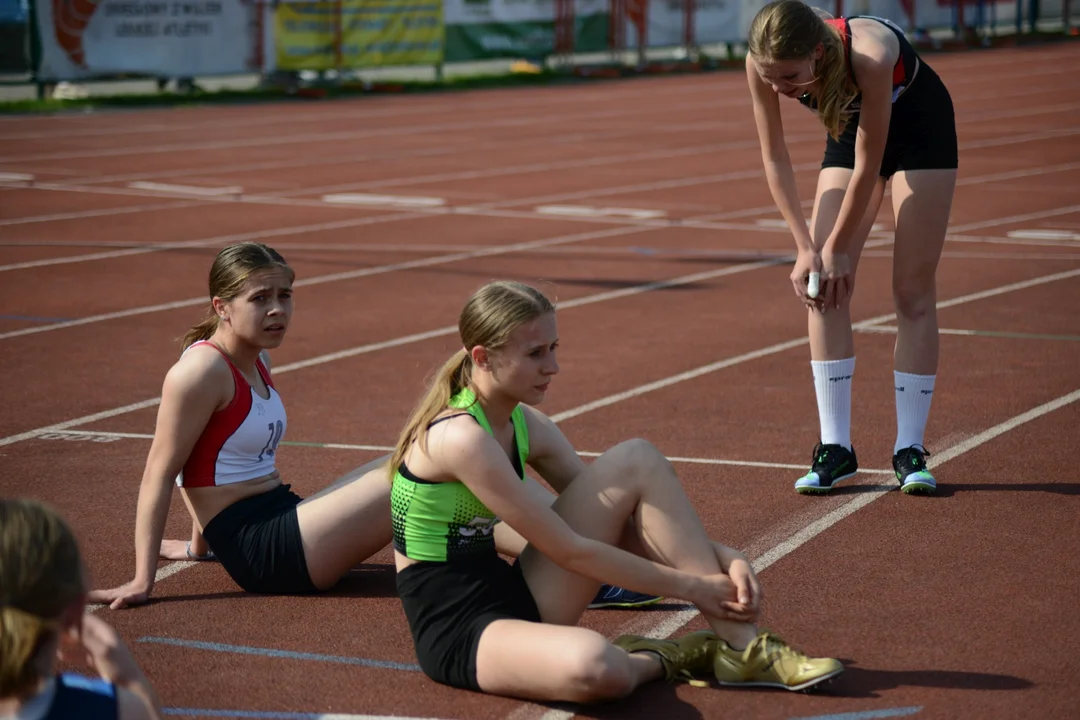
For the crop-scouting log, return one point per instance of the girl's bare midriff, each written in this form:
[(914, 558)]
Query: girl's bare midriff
[(204, 503)]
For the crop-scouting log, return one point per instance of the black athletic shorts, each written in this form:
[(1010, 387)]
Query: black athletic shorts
[(922, 131), (449, 604), (257, 540)]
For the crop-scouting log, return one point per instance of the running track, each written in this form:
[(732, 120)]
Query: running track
[(677, 324)]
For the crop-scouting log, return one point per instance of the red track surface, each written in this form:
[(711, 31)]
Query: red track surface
[(952, 606)]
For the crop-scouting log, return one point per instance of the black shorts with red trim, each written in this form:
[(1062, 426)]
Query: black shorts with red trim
[(922, 131)]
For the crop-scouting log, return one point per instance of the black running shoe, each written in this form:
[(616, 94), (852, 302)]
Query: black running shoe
[(911, 472), (610, 596), (831, 464)]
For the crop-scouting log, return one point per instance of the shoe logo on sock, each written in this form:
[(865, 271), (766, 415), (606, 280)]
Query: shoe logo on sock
[(840, 378), (899, 388), (926, 392)]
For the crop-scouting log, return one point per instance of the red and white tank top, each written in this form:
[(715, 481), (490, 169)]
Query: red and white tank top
[(904, 69), (240, 441)]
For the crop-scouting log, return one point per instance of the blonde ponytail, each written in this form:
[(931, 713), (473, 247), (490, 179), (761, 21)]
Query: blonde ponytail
[(487, 320), (203, 331), (454, 376), (836, 90), (21, 638)]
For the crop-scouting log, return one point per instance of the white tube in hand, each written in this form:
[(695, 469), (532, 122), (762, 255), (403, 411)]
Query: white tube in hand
[(813, 285)]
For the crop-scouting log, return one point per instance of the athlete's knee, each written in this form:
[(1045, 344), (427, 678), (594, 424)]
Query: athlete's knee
[(914, 296), (598, 670), (640, 458)]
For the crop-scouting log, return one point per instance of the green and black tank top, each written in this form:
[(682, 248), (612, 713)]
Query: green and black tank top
[(441, 521)]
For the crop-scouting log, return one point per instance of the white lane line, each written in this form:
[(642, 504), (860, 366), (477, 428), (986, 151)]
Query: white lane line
[(1052, 212), (602, 402), (105, 212), (794, 343), (782, 223), (395, 342), (671, 624), (1003, 334), (603, 212), (1043, 234), (324, 137), (335, 277), (788, 545), (393, 200), (14, 177), (103, 436), (187, 189)]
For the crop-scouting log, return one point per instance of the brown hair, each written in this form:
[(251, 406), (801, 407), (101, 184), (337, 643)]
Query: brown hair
[(41, 575), (231, 269), (488, 318), (791, 30)]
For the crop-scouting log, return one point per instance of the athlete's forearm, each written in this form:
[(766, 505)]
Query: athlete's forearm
[(726, 555), (853, 208), (155, 495), (785, 193), (612, 565)]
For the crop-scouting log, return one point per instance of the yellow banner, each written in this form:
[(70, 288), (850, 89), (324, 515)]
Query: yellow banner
[(358, 33)]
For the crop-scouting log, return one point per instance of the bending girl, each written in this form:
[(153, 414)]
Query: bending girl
[(888, 115)]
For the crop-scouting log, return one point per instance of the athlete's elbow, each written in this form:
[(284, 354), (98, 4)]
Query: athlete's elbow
[(160, 473)]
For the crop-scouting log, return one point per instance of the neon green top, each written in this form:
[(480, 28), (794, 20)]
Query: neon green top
[(439, 521)]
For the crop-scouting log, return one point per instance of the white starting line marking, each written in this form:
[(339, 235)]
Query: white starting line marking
[(782, 223), (187, 189), (105, 436), (586, 211), (366, 199), (1044, 234), (16, 177)]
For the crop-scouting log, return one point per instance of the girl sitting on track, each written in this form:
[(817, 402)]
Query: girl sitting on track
[(218, 428), (42, 613), (888, 115), (458, 470)]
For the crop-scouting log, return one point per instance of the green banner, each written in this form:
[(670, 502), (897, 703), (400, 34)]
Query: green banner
[(527, 39)]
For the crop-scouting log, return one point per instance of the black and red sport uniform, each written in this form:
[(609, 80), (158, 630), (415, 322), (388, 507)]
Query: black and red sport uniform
[(922, 128)]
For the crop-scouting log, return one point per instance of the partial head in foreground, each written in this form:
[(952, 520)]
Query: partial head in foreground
[(42, 592)]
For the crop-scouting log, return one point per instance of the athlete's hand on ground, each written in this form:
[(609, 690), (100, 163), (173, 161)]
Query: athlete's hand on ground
[(836, 279), (808, 261), (749, 589), (718, 595), (133, 593)]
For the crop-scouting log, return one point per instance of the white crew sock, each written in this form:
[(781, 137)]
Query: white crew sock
[(832, 383), (913, 396)]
